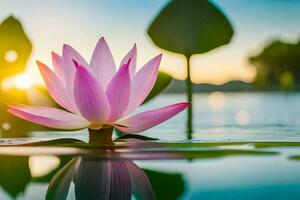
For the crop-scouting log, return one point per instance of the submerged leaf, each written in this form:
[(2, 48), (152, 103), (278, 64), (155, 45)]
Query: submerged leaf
[(14, 174), (173, 183)]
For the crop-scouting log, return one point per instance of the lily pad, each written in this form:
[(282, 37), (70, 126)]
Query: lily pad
[(190, 27), (135, 136)]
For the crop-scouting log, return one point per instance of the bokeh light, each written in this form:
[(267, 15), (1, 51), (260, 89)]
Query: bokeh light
[(6, 126), (23, 81), (11, 56), (242, 117), (7, 84), (216, 100)]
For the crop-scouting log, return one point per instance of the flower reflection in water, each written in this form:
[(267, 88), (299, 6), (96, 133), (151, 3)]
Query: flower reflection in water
[(97, 178)]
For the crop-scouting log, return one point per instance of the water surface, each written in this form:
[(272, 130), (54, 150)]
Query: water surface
[(245, 146)]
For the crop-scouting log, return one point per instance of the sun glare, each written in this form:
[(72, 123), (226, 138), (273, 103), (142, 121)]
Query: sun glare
[(23, 82)]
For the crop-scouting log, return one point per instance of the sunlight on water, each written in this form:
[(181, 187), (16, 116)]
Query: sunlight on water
[(216, 100), (42, 165)]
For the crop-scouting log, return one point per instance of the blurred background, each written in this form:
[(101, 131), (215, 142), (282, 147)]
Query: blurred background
[(244, 69), (237, 61)]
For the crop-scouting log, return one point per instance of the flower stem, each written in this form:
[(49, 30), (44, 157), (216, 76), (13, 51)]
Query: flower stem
[(189, 93), (101, 136)]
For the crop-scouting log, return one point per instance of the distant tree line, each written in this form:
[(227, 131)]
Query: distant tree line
[(278, 65)]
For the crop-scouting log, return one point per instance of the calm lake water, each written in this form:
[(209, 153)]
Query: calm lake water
[(245, 146), (226, 117)]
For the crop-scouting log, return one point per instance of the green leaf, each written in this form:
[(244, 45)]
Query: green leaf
[(14, 174), (15, 47), (54, 142), (162, 82), (295, 157), (136, 136), (277, 65), (173, 183), (190, 27)]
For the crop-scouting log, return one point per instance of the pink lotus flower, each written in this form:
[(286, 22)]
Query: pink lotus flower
[(95, 95)]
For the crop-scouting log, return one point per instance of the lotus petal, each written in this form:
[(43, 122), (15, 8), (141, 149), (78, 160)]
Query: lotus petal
[(70, 54), (56, 88), (118, 92), (142, 83), (48, 116), (140, 183), (131, 55), (102, 63), (92, 180), (149, 119), (58, 66), (120, 188), (89, 96)]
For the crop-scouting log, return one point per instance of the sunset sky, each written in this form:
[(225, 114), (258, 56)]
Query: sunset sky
[(80, 23)]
